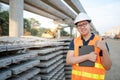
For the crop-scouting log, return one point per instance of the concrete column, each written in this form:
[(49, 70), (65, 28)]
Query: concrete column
[(58, 31), (71, 29), (16, 18), (59, 35)]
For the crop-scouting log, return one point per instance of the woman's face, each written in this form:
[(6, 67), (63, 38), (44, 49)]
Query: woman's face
[(83, 27)]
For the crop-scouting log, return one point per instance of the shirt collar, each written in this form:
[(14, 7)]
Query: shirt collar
[(92, 36)]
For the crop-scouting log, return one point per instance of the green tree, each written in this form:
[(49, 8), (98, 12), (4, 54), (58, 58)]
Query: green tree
[(27, 25), (34, 22), (4, 24), (34, 32), (64, 33)]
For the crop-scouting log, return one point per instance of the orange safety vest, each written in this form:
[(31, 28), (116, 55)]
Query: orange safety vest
[(88, 73)]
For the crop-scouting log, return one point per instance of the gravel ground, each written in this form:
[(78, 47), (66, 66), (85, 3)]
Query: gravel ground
[(114, 46)]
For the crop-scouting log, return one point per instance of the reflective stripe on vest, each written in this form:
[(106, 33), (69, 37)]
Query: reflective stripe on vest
[(89, 75), (97, 65)]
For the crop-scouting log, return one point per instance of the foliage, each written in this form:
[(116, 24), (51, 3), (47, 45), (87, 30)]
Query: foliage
[(4, 23), (34, 32), (34, 22), (64, 33), (42, 30), (27, 25)]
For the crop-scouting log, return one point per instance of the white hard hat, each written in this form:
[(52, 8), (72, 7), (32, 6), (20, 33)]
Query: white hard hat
[(81, 17)]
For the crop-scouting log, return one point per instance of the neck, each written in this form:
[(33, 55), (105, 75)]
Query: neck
[(86, 37)]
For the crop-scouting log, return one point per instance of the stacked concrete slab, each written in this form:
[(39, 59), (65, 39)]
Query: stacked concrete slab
[(16, 61), (51, 65), (34, 59), (67, 68), (18, 66)]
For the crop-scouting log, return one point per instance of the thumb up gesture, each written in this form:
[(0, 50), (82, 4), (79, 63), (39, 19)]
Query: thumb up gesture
[(101, 44)]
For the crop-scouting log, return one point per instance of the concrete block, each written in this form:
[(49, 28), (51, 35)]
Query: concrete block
[(14, 47), (50, 62), (68, 77), (49, 56), (59, 73), (16, 69), (26, 75), (68, 68), (51, 74), (4, 61), (52, 67), (2, 48), (22, 57), (68, 72), (48, 50), (66, 47), (4, 74), (65, 51), (61, 77), (36, 77)]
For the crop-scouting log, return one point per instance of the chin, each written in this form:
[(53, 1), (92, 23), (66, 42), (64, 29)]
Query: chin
[(84, 34)]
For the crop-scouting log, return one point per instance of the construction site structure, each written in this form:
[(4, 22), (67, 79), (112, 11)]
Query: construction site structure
[(52, 33)]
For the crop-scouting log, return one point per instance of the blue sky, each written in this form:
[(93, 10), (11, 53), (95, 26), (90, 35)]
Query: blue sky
[(105, 14)]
